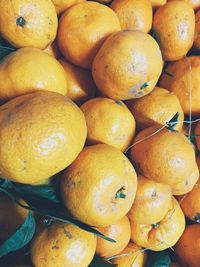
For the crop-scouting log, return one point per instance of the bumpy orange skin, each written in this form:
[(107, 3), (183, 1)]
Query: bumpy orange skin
[(81, 86), (197, 133), (53, 50), (97, 176), (28, 70), (188, 246), (133, 257), (120, 231), (63, 245), (190, 203), (131, 74), (11, 217), (197, 30), (158, 107), (109, 122), (152, 201), (166, 157), (184, 79), (28, 23), (134, 14), (194, 3), (174, 25), (40, 134), (82, 30), (158, 3), (62, 5), (165, 234)]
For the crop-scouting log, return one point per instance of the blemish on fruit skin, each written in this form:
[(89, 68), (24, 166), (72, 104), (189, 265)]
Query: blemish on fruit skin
[(55, 247), (118, 102), (68, 234)]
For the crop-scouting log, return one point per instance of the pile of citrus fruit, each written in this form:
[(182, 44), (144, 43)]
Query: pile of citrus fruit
[(104, 98)]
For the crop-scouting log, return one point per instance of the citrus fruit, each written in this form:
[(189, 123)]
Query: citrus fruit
[(53, 50), (132, 256), (194, 3), (152, 201), (28, 70), (174, 25), (158, 107), (28, 23), (81, 86), (183, 79), (188, 246), (82, 30), (127, 65), (134, 14), (119, 231), (158, 3), (162, 235), (108, 121), (40, 134), (197, 30), (11, 217), (105, 179), (63, 245), (166, 156), (62, 5)]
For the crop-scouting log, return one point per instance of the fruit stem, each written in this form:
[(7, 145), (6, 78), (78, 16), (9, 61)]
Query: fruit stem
[(120, 193), (21, 22), (155, 225)]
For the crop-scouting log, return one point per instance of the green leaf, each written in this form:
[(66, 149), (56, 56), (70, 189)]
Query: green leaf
[(21, 237), (5, 48), (99, 262), (159, 259), (173, 122), (53, 211)]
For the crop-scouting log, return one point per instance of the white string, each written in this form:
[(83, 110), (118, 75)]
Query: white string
[(190, 96)]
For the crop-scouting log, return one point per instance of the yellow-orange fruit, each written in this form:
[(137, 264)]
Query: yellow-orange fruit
[(62, 5), (197, 30), (194, 3)]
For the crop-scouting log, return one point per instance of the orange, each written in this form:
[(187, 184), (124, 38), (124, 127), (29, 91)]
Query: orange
[(158, 107), (81, 86), (12, 216), (40, 134), (53, 50), (183, 79), (109, 121), (188, 246), (162, 235), (28, 70), (173, 25), (197, 133), (62, 5), (190, 203), (120, 231), (81, 36), (197, 30), (28, 23), (127, 65), (158, 3), (134, 14), (63, 245), (167, 157), (152, 201), (105, 179), (132, 256), (194, 3)]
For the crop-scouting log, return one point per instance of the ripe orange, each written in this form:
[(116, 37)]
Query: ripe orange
[(158, 3), (105, 179), (28, 70), (120, 231), (194, 3), (28, 23), (162, 235), (80, 83), (166, 157), (134, 14), (40, 134), (158, 107), (53, 50), (132, 256), (127, 65), (183, 79), (63, 245), (152, 201), (173, 25), (11, 217), (62, 5), (81, 36), (197, 133), (108, 122), (188, 246), (197, 30)]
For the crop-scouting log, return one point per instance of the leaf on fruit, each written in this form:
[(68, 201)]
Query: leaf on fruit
[(159, 259), (99, 262), (173, 122), (5, 48)]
